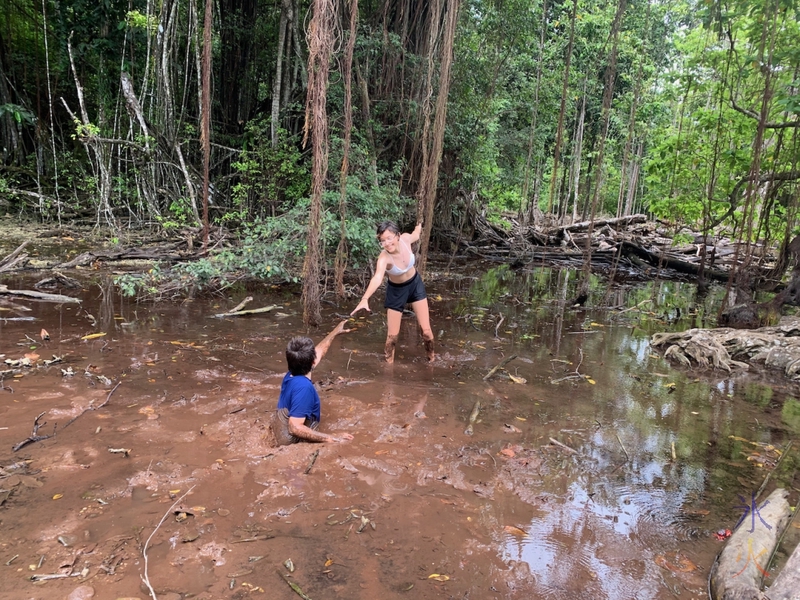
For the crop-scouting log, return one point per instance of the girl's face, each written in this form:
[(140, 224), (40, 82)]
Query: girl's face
[(388, 240)]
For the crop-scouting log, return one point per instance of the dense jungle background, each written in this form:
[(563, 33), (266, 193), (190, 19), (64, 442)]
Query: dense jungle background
[(293, 127)]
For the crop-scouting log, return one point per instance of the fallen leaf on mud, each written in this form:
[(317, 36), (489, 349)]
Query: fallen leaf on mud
[(508, 452), (32, 356), (329, 562), (509, 428), (58, 496), (93, 336), (381, 452), (520, 418), (438, 577), (174, 492), (289, 565), (590, 380), (515, 531), (675, 562)]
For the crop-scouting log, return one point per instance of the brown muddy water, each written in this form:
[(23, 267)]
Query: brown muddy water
[(413, 507)]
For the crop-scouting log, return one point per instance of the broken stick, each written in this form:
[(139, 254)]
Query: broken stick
[(4, 291), (563, 446), (311, 463), (502, 364), (253, 311)]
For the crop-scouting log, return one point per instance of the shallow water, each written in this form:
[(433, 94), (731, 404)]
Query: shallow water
[(501, 513)]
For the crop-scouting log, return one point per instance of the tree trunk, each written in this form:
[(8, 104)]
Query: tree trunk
[(320, 48), (286, 9), (427, 193), (205, 123)]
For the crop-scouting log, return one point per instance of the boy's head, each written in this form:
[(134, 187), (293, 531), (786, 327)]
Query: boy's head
[(300, 355)]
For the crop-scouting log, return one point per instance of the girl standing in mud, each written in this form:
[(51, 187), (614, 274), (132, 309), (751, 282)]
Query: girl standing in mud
[(405, 286)]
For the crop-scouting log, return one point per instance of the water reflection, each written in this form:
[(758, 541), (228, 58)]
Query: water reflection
[(660, 459)]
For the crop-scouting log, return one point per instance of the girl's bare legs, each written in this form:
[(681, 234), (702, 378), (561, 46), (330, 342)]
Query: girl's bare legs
[(420, 308), (393, 319)]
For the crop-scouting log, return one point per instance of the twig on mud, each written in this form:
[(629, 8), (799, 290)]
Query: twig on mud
[(34, 437), (294, 586), (502, 364), (775, 468), (146, 577), (623, 447), (473, 416), (90, 407), (497, 327), (576, 374), (311, 463), (563, 446)]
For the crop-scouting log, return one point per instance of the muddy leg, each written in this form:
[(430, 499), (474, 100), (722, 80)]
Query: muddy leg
[(388, 349), (429, 348)]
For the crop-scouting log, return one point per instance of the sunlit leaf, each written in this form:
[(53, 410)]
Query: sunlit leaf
[(516, 379), (58, 496), (93, 336), (590, 380), (438, 577)]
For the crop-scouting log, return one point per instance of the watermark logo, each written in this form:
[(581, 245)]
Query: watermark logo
[(752, 509)]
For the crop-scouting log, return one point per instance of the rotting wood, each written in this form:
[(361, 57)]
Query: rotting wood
[(584, 225), (502, 364), (253, 311), (787, 583), (166, 254), (15, 258), (473, 416), (38, 295), (736, 574)]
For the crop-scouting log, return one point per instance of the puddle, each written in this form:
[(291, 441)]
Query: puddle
[(652, 460)]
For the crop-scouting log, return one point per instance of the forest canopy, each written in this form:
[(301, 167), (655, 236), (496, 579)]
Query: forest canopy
[(533, 110)]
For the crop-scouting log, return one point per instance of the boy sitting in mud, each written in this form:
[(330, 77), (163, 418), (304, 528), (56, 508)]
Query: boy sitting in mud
[(297, 417)]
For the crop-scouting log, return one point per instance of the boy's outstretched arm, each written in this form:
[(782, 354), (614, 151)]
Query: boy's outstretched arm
[(322, 347), (298, 428)]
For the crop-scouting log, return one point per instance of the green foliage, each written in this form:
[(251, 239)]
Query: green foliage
[(269, 178), (20, 114)]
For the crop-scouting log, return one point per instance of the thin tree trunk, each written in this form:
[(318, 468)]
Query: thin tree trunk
[(562, 109), (528, 213), (610, 76), (205, 108), (347, 75), (286, 8), (578, 151)]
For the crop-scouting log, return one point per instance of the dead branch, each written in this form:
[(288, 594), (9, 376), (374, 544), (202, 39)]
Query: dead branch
[(563, 446), (254, 311), (90, 407), (13, 259), (34, 437)]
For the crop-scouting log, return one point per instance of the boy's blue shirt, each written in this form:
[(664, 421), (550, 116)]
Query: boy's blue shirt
[(299, 397)]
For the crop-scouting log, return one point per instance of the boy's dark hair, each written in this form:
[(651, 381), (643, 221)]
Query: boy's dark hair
[(300, 355), (388, 225)]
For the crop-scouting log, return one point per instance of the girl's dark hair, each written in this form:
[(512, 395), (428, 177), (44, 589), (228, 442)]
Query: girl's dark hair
[(388, 225), (300, 355)]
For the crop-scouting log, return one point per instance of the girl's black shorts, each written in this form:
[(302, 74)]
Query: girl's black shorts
[(400, 294)]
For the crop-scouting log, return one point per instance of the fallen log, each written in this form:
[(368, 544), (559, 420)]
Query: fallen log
[(663, 261), (787, 583), (161, 254), (738, 570), (38, 295), (584, 225)]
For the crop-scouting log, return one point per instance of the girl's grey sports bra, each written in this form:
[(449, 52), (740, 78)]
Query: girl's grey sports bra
[(394, 271)]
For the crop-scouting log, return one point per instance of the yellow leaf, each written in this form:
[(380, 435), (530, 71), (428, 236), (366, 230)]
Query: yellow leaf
[(58, 496), (520, 418), (670, 385), (438, 577), (593, 324), (590, 380), (515, 531), (174, 491), (329, 562), (93, 336), (516, 379)]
